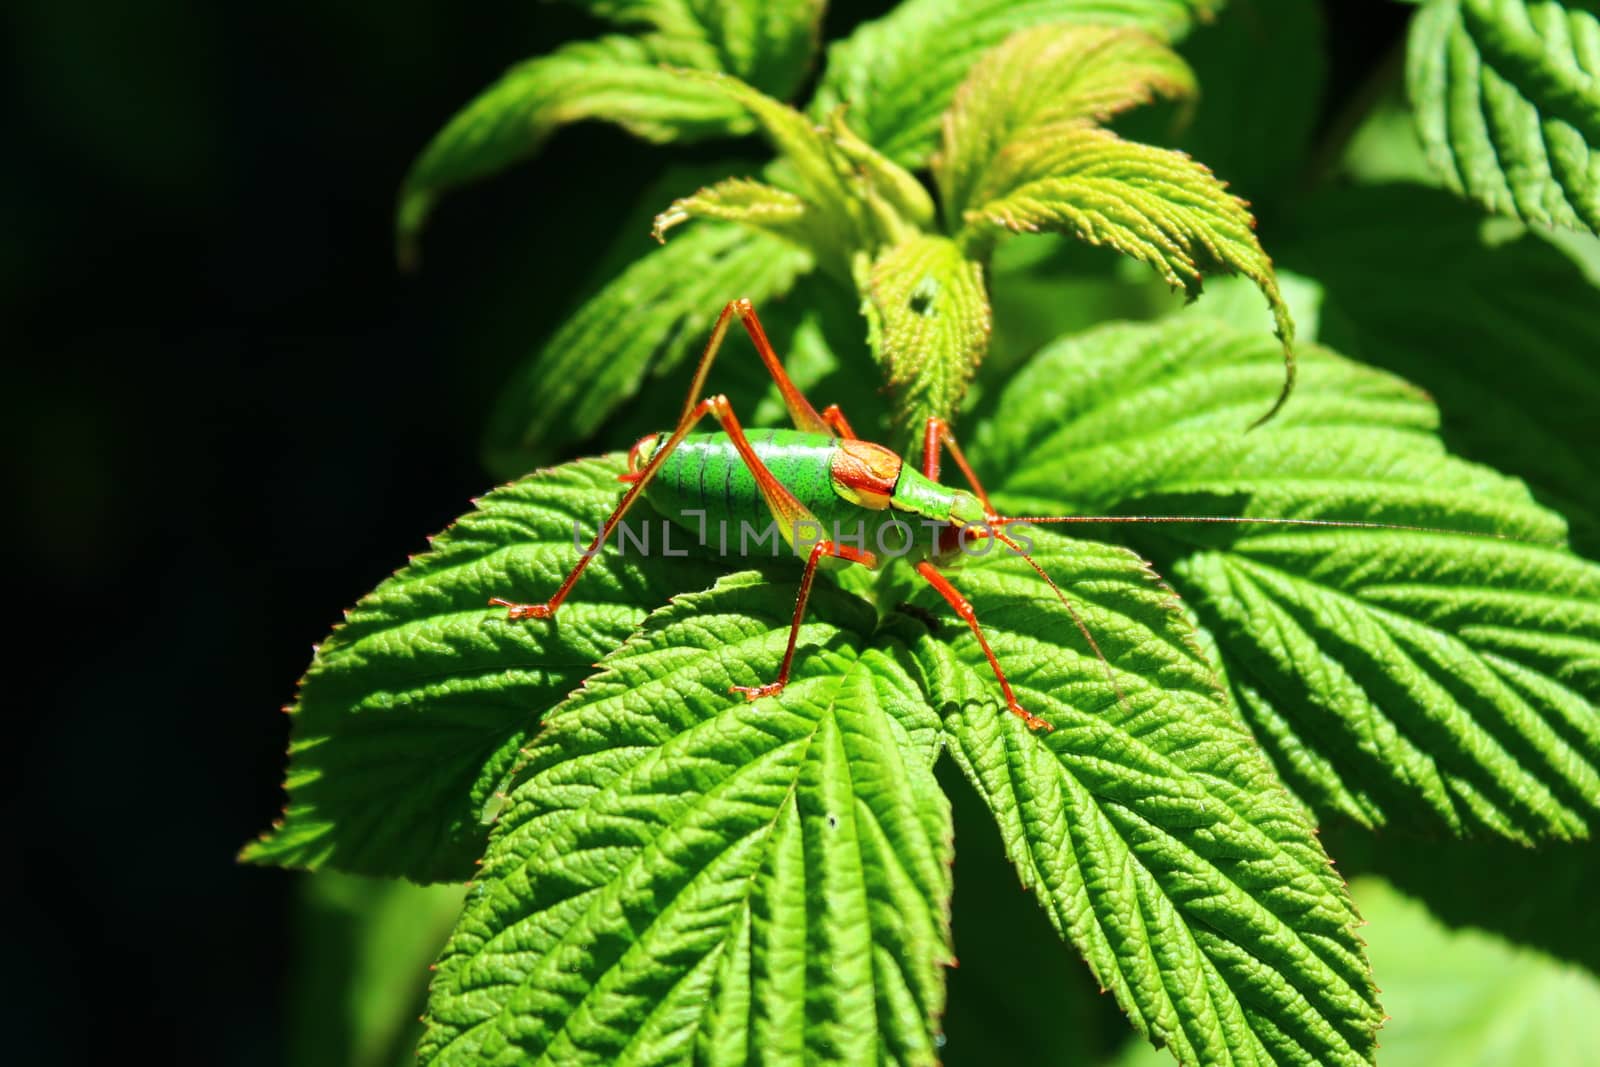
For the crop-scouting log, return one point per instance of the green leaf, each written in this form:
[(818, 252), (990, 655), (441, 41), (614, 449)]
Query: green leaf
[(928, 321), (1037, 83), (1263, 66), (1507, 98), (818, 333), (1463, 998), (1385, 146), (683, 874), (1468, 999), (1523, 895), (768, 43), (852, 197), (903, 196), (1157, 838), (1007, 945), (1443, 676), (619, 79), (653, 314), (1511, 367), (899, 73), (1160, 207), (362, 950), (416, 706), (759, 206)]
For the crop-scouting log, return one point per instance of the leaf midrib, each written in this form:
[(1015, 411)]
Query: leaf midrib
[(838, 681)]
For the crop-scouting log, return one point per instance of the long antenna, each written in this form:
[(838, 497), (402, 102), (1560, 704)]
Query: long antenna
[(1234, 520), (1077, 620)]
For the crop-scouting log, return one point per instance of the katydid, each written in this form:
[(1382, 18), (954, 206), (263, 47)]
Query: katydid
[(820, 476)]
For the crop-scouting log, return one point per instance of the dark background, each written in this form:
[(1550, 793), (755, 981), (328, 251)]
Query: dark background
[(231, 415)]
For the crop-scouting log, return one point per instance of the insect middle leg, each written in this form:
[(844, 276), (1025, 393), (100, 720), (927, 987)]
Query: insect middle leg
[(819, 551)]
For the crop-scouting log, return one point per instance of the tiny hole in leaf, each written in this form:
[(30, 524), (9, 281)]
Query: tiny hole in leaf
[(924, 295)]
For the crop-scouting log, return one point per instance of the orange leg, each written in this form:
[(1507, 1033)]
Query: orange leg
[(788, 510), (938, 434), (790, 513), (835, 418), (801, 412), (963, 608), (821, 549)]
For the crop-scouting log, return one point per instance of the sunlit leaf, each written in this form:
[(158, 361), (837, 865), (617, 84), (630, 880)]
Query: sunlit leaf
[(752, 203), (1461, 997), (687, 876), (853, 198), (1038, 84), (1156, 837), (899, 73), (1159, 207), (1444, 676), (929, 320), (415, 708)]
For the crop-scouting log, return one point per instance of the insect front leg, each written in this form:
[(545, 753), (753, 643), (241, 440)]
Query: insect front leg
[(963, 608), (937, 435)]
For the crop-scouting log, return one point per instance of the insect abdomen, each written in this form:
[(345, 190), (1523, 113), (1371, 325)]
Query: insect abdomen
[(705, 473)]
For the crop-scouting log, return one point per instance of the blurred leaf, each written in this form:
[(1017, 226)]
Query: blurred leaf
[(1507, 98), (1157, 837), (819, 334), (1522, 894), (1039, 82), (1471, 1000), (1235, 300), (653, 314), (905, 197), (1502, 331), (1462, 998), (765, 42), (684, 874), (1159, 207), (928, 321), (619, 79), (1044, 286), (615, 78), (803, 146), (899, 73), (1262, 67), (768, 43), (1385, 146), (416, 706), (363, 951), (1393, 675)]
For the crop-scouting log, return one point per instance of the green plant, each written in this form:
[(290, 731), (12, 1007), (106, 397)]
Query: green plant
[(678, 874)]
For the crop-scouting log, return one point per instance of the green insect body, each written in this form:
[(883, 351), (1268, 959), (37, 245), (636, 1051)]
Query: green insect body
[(705, 486)]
